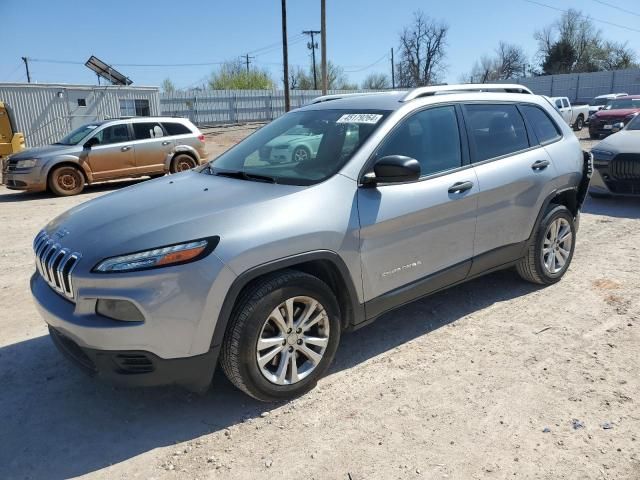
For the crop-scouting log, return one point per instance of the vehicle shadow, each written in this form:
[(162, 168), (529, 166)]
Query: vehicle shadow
[(56, 423), (620, 207), (8, 196)]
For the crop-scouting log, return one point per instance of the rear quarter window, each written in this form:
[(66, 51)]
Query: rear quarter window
[(174, 128), (545, 129)]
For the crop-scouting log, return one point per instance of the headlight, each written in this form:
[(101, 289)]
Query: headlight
[(158, 257), (26, 163), (604, 154)]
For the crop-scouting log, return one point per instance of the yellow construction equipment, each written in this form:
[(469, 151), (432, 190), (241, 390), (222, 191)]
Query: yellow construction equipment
[(10, 140)]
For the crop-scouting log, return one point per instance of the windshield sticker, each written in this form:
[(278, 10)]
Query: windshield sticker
[(371, 118)]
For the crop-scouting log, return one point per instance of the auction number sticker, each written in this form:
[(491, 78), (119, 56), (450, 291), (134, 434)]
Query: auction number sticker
[(371, 118)]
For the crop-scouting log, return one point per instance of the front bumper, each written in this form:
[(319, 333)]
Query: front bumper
[(28, 180), (619, 176), (139, 368)]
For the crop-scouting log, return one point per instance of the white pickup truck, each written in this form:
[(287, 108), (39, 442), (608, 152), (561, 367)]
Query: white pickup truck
[(575, 116)]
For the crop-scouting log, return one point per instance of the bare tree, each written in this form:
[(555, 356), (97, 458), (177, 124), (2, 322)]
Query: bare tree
[(376, 81), (509, 61), (168, 86), (422, 51), (618, 56)]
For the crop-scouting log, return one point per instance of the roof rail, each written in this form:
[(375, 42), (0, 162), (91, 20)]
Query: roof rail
[(338, 96), (461, 88)]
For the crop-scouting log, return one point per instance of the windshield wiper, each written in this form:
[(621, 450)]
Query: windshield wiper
[(243, 175)]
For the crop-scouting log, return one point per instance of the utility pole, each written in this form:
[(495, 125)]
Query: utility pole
[(26, 66), (285, 57), (312, 46), (393, 71), (247, 59), (323, 40)]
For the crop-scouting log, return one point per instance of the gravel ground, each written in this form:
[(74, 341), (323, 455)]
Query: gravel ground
[(492, 379)]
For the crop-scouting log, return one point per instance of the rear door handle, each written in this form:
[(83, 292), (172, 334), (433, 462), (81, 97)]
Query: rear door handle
[(165, 143), (125, 148), (460, 187), (540, 164)]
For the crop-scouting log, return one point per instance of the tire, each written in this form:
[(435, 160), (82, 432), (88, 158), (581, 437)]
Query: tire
[(300, 154), (599, 195), (579, 123), (182, 162), (253, 319), (534, 266), (66, 180)]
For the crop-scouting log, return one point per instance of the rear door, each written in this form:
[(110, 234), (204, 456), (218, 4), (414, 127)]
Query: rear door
[(515, 175), (419, 231), (152, 146), (113, 155)]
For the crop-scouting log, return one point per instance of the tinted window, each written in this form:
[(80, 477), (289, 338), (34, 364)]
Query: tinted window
[(113, 134), (565, 103), (147, 130), (542, 125), (431, 137), (175, 128), (496, 130), (559, 103)]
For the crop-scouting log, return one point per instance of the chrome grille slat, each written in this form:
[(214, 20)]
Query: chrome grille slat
[(55, 264)]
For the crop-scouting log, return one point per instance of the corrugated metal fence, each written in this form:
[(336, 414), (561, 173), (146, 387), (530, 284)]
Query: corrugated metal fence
[(582, 87), (211, 107)]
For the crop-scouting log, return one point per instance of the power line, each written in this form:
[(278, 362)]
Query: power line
[(593, 19), (383, 57), (611, 5)]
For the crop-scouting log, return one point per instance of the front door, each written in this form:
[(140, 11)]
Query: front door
[(113, 154), (152, 146), (419, 234)]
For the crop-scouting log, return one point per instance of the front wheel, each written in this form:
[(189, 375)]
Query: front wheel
[(300, 154), (66, 180), (283, 334), (549, 255), (182, 162)]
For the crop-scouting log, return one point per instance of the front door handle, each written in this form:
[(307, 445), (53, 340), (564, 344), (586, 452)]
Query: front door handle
[(460, 187), (165, 143), (125, 148), (540, 164)]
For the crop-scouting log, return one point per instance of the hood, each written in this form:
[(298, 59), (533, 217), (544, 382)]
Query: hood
[(172, 209), (625, 141), (621, 113), (286, 140), (40, 152)]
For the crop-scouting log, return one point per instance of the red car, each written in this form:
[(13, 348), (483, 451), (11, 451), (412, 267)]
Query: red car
[(613, 117)]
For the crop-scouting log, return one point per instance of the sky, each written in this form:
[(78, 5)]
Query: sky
[(134, 34)]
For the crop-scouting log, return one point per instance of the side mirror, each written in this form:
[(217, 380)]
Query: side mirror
[(91, 142), (394, 169)]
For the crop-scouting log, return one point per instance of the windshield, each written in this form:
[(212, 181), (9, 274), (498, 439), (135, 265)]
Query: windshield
[(622, 103), (634, 124), (598, 102), (77, 135), (300, 148)]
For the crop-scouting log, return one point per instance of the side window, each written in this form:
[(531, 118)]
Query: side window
[(113, 134), (147, 130), (565, 103), (545, 129), (559, 103), (496, 130), (431, 137), (175, 128)]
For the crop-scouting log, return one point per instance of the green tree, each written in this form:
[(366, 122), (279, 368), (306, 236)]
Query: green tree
[(168, 86), (560, 58), (302, 79), (233, 75)]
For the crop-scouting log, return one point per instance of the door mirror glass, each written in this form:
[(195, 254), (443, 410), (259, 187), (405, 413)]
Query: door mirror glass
[(394, 169), (91, 142)]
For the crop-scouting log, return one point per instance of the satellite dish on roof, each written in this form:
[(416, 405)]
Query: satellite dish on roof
[(107, 72)]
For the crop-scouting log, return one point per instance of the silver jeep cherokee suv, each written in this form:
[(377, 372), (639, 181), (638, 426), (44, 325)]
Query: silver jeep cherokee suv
[(265, 264)]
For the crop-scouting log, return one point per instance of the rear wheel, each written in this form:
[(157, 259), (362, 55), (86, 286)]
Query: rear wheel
[(182, 162), (66, 180), (300, 154), (283, 335), (550, 254), (579, 123)]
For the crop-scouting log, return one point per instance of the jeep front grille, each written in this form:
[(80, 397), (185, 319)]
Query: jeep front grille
[(55, 264)]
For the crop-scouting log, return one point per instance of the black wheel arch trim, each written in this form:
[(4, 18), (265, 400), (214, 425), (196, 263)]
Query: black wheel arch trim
[(354, 316)]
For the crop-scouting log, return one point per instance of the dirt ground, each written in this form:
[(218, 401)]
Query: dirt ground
[(492, 379)]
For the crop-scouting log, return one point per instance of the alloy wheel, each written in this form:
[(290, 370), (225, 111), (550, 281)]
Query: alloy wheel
[(293, 340), (556, 247)]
